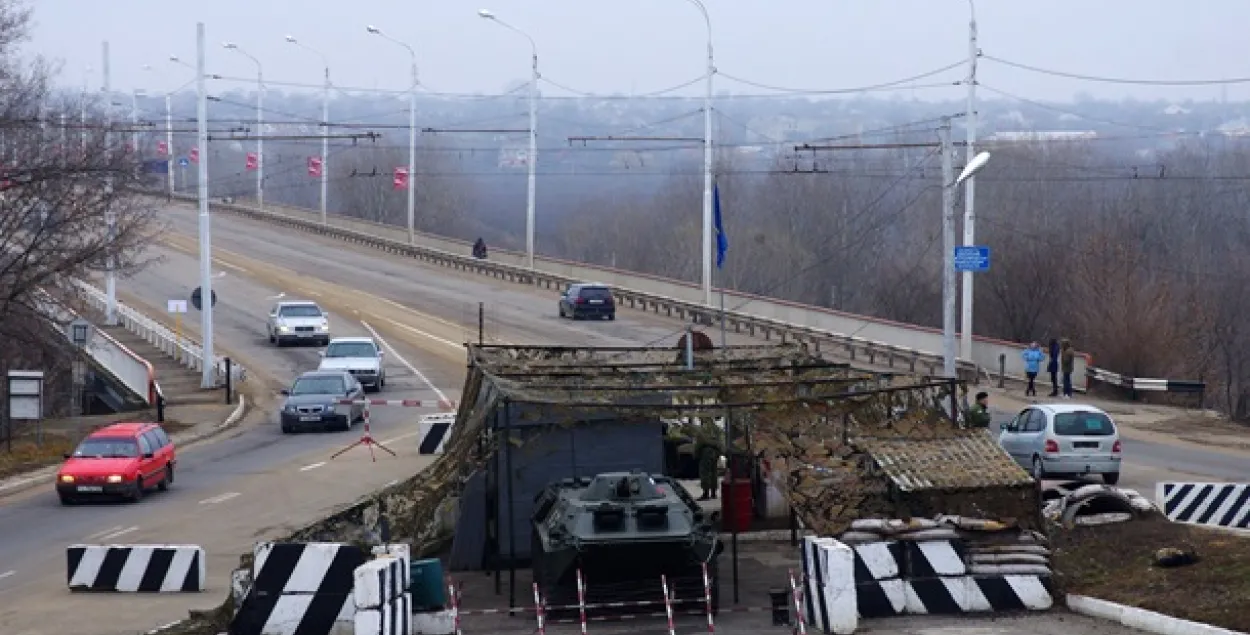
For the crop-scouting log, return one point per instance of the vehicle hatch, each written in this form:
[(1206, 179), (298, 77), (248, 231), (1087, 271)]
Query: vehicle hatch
[(1084, 432)]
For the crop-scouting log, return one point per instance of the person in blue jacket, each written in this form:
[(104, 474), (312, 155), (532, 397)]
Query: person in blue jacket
[(1033, 357)]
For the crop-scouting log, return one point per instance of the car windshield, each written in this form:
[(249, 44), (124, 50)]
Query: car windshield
[(318, 386), (108, 448), (300, 310), (1083, 424), (351, 349), (596, 293)]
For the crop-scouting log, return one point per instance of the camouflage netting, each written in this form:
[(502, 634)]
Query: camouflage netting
[(853, 443)]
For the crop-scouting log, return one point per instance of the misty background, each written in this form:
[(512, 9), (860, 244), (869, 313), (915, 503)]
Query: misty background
[(1115, 203)]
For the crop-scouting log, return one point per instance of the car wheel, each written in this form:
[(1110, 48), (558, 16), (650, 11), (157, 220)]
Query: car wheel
[(611, 316), (271, 339), (137, 495), (1111, 478), (286, 429), (67, 500), (1039, 472), (382, 380), (166, 479), (561, 308)]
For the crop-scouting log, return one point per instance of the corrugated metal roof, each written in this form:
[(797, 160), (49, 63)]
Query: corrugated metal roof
[(966, 460)]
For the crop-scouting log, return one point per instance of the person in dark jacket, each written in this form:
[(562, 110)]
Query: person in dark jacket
[(1052, 367), (479, 249), (1067, 361)]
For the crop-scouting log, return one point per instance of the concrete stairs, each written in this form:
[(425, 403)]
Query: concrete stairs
[(180, 384)]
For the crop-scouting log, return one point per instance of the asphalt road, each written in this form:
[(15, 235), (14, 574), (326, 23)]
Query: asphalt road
[(258, 483)]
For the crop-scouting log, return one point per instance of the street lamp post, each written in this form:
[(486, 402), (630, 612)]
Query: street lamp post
[(134, 118), (325, 125), (169, 129), (208, 360), (949, 190), (970, 190), (707, 159), (412, 135), (260, 122), (532, 160)]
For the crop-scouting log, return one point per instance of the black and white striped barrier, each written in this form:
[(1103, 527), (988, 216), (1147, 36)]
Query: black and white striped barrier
[(1143, 384), (1211, 504), (434, 431), (136, 568), (380, 594), (829, 586)]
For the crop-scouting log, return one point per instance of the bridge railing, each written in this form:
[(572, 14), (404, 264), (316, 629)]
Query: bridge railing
[(134, 371), (857, 337), (181, 348)]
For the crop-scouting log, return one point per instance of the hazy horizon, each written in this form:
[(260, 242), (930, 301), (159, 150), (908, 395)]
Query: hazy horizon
[(797, 44)]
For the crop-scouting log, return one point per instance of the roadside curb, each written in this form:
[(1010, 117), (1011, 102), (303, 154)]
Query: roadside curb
[(1141, 619), (41, 475)]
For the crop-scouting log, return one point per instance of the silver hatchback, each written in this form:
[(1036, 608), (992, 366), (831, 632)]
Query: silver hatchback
[(1064, 440)]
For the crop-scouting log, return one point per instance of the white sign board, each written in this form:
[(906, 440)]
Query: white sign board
[(25, 394), (176, 306)]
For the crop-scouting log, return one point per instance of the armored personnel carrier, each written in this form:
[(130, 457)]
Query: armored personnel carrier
[(623, 531)]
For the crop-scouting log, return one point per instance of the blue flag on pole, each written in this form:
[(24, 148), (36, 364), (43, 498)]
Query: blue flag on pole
[(722, 242)]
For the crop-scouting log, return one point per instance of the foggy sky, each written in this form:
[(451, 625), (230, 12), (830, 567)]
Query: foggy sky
[(639, 46)]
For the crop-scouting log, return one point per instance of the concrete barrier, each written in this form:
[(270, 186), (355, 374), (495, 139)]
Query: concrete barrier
[(878, 341), (136, 568)]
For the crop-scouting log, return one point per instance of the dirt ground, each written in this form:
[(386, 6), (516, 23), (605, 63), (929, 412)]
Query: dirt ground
[(59, 437), (1115, 562)]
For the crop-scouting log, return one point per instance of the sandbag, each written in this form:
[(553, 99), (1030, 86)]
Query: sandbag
[(878, 525), (1033, 550), (927, 535), (1009, 558), (1008, 569), (971, 524), (860, 537), (1107, 518)]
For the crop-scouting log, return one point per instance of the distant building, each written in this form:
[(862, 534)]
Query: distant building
[(1041, 136)]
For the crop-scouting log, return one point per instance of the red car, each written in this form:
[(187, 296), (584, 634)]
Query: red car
[(123, 459)]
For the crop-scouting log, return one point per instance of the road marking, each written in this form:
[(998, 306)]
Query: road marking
[(7, 574), (400, 437), (110, 530), (219, 499), (440, 340), (388, 484), (119, 532), (231, 266), (312, 467), (442, 397), (315, 294)]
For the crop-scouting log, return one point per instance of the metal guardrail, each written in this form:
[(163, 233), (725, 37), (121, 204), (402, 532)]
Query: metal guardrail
[(849, 346), (131, 369), (182, 349), (1144, 384)]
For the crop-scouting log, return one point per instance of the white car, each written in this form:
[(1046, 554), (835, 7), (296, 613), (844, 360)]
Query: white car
[(1063, 440), (291, 322), (360, 356)]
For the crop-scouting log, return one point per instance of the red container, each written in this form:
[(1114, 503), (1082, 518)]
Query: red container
[(738, 515)]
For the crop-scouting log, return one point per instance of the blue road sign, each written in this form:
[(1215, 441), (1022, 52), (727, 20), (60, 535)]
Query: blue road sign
[(973, 258), (183, 162)]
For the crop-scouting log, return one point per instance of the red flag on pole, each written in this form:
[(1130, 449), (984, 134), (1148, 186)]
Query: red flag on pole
[(162, 148), (194, 155), (401, 178), (314, 166), (252, 162)]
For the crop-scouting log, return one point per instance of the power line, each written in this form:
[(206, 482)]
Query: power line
[(839, 91), (1119, 80)]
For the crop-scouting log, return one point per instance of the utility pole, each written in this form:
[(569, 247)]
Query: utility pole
[(169, 140), (110, 215), (948, 250), (208, 377), (970, 217)]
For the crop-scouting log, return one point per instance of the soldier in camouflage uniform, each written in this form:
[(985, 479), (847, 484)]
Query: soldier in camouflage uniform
[(708, 450)]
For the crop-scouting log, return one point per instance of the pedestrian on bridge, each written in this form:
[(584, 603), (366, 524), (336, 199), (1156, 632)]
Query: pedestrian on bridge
[(1033, 357), (1067, 361), (1052, 367)]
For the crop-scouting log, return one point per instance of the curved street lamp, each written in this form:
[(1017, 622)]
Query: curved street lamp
[(412, 133)]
